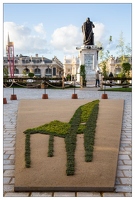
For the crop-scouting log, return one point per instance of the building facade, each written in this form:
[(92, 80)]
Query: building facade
[(40, 66), (114, 64), (71, 67)]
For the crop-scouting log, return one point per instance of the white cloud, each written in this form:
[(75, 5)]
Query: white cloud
[(28, 41), (39, 29), (67, 38), (102, 35), (99, 32), (24, 41)]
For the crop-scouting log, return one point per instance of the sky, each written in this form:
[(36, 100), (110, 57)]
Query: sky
[(54, 29)]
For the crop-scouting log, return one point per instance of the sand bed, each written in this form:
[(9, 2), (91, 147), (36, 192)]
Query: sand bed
[(49, 174)]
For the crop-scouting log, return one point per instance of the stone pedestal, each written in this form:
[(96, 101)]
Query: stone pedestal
[(89, 57)]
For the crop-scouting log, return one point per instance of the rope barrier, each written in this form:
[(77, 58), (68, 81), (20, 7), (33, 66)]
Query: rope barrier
[(9, 86), (26, 86), (34, 85), (56, 86)]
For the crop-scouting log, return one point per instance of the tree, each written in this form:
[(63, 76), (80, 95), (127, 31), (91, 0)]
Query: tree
[(123, 50), (126, 67), (83, 74), (104, 56), (31, 74)]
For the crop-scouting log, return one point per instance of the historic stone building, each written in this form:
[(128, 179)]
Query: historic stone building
[(114, 64), (40, 66), (71, 66)]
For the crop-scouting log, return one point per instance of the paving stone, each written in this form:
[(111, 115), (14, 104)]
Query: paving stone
[(9, 172), (64, 194), (129, 149), (127, 162), (88, 194), (127, 181), (124, 157), (12, 181), (117, 181), (17, 194), (9, 167), (125, 167), (6, 156), (6, 180), (8, 135), (9, 148), (11, 157), (6, 141), (41, 194), (128, 194), (8, 188), (120, 173), (127, 173), (123, 188), (125, 153), (120, 162), (112, 194), (10, 152), (8, 145)]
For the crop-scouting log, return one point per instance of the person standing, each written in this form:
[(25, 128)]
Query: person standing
[(111, 75), (97, 79)]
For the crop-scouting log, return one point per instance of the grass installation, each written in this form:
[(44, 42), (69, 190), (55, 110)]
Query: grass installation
[(82, 122)]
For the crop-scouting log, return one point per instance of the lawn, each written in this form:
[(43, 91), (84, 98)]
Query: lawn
[(118, 89)]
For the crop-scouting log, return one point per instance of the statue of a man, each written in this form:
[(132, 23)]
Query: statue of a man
[(87, 29)]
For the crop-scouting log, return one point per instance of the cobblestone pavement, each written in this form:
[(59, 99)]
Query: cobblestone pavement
[(123, 184)]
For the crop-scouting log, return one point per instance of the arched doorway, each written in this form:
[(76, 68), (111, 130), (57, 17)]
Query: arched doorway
[(37, 72), (26, 71), (48, 72)]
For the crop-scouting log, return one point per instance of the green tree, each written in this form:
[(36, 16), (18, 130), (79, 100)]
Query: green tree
[(126, 67), (31, 74), (83, 74), (104, 56), (123, 50)]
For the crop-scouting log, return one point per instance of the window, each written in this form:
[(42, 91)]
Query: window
[(26, 70), (54, 71), (16, 71), (37, 72)]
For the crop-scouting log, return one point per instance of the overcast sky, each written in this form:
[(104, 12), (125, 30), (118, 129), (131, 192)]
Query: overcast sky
[(55, 29)]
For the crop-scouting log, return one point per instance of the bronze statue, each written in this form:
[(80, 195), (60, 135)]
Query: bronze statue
[(87, 29)]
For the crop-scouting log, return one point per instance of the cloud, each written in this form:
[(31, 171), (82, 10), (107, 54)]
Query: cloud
[(102, 35), (29, 41), (39, 29), (66, 39), (24, 41), (99, 32)]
